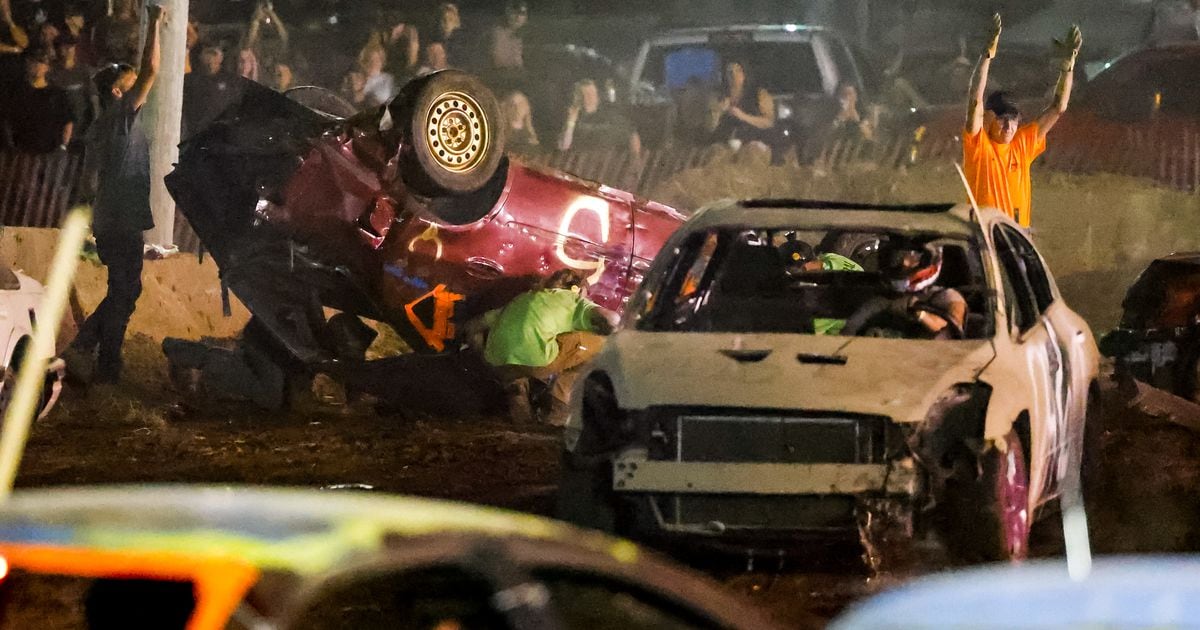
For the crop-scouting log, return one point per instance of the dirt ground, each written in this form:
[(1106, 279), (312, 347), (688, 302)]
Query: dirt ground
[(137, 433)]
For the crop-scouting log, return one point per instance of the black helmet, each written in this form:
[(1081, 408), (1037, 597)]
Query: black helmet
[(911, 267)]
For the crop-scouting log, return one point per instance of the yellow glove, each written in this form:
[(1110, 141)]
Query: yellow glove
[(994, 40), (1067, 49)]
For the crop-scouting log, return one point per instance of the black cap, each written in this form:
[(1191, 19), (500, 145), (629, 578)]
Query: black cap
[(1001, 105)]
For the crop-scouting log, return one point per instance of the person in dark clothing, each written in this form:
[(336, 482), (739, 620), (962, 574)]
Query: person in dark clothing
[(747, 114), (75, 79), (208, 91), (37, 116), (593, 125), (122, 207)]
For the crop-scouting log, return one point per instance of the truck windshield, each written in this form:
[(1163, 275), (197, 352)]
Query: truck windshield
[(781, 68)]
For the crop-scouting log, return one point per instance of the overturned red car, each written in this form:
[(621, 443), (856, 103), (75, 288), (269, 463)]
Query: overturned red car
[(410, 214)]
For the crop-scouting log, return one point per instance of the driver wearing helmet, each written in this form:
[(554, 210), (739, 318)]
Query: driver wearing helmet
[(912, 271)]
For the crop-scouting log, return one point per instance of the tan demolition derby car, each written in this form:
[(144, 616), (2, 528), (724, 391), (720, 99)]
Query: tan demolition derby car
[(778, 377)]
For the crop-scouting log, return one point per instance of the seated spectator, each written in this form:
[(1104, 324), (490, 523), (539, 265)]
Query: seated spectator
[(354, 89), (592, 125), (75, 78), (380, 86), (747, 114), (518, 116), (247, 64), (208, 91), (433, 59), (547, 334), (37, 115), (849, 123)]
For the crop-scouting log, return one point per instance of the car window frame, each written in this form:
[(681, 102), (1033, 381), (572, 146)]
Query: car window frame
[(1017, 287), (1036, 274)]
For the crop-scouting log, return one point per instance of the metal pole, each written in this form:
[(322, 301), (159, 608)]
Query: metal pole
[(164, 112)]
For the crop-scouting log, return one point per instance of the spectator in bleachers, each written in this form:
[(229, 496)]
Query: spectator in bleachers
[(354, 89), (747, 113), (208, 91), (507, 43), (518, 116), (74, 77), (402, 43), (282, 77), (380, 86), (37, 115), (13, 38), (118, 33), (433, 58), (75, 24), (448, 31), (47, 34), (267, 37), (592, 125), (849, 122), (247, 64), (191, 39)]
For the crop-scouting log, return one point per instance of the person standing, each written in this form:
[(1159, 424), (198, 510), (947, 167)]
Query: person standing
[(998, 150), (121, 209), (37, 115)]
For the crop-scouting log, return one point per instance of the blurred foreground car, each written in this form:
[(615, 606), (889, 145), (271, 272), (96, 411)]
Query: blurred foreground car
[(20, 297), (1158, 339), (1120, 592), (409, 214), (160, 557), (718, 416)]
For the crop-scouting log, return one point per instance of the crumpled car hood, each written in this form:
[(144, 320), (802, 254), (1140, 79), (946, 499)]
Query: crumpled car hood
[(898, 378)]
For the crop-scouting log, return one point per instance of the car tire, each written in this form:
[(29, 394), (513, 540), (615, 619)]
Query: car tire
[(452, 139), (987, 517)]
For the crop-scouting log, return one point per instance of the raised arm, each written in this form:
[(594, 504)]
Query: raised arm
[(980, 78), (1066, 51), (150, 58), (19, 37)]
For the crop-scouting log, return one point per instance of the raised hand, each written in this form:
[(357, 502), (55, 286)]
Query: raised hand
[(155, 12), (1067, 49), (994, 39)]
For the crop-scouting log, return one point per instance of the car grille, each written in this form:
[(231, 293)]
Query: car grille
[(748, 512), (777, 438)]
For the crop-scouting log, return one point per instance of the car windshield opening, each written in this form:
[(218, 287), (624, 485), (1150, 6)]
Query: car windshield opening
[(824, 282)]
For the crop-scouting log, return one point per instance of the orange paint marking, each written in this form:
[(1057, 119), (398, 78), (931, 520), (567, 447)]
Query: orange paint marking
[(442, 328), (220, 583)]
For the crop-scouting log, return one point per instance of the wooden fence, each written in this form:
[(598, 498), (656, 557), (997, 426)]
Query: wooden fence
[(37, 190)]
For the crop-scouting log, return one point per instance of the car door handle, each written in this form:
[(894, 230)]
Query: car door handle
[(484, 268), (746, 356)]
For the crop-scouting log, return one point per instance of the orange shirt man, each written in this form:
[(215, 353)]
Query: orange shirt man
[(998, 150)]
